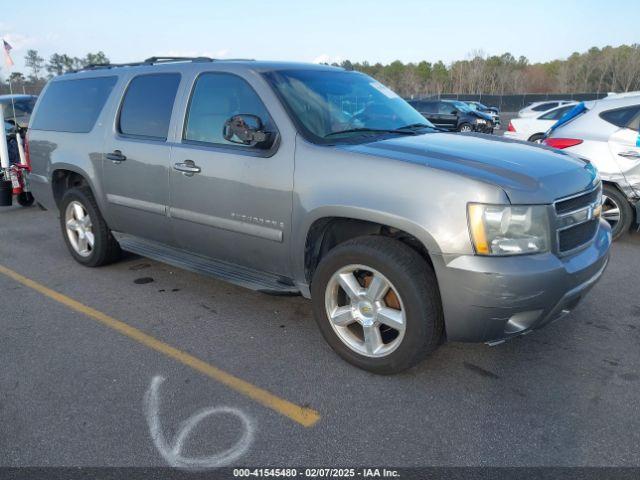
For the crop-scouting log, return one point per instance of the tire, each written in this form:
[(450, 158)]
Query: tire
[(25, 199), (465, 127), (412, 287), (616, 210), (105, 248), (536, 137)]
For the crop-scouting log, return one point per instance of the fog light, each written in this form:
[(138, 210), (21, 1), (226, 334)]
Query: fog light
[(522, 321)]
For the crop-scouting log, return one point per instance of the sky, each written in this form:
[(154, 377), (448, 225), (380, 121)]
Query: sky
[(314, 31)]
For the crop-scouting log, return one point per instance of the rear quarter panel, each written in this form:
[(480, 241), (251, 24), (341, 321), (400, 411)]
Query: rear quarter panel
[(77, 152)]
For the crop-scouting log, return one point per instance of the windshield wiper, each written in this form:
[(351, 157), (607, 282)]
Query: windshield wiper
[(414, 126), (372, 130)]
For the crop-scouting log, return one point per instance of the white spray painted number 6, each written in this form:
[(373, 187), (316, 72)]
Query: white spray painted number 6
[(173, 453)]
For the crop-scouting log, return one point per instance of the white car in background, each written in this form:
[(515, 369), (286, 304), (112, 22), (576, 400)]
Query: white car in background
[(532, 129), (537, 108), (607, 133)]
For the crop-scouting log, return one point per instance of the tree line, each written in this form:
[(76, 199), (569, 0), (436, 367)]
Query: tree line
[(39, 70), (598, 70)]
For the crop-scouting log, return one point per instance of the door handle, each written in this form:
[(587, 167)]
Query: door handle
[(188, 168), (116, 156), (630, 154)]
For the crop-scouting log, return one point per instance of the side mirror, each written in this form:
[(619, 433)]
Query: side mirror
[(246, 129)]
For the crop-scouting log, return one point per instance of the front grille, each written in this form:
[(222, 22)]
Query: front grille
[(575, 222), (573, 237), (576, 203)]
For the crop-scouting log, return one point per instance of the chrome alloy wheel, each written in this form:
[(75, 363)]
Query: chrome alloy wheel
[(610, 210), (365, 310), (466, 128), (79, 228)]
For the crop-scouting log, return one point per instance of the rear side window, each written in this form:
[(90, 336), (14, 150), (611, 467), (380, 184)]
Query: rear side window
[(623, 117), (215, 99), (545, 106), (147, 106), (73, 105), (429, 107)]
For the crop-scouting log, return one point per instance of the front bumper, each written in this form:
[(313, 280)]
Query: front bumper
[(489, 299), (484, 127)]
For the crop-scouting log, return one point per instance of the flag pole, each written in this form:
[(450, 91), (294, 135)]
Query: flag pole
[(13, 105)]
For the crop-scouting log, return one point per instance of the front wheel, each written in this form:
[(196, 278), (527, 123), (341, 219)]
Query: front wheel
[(377, 304), (465, 127), (616, 210)]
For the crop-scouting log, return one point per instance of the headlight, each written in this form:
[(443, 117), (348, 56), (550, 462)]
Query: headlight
[(508, 230), (480, 121)]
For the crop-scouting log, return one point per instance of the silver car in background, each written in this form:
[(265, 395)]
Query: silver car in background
[(606, 132), (536, 108)]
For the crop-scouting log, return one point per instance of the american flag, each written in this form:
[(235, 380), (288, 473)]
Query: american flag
[(7, 53)]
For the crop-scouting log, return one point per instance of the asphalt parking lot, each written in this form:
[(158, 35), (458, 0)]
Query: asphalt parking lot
[(84, 353)]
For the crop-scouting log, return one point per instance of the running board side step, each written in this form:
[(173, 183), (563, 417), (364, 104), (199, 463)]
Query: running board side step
[(229, 272)]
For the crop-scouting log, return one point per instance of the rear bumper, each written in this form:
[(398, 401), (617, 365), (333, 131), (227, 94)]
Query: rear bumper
[(41, 191), (489, 299)]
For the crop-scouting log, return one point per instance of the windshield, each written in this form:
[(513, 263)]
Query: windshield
[(334, 105), (463, 107)]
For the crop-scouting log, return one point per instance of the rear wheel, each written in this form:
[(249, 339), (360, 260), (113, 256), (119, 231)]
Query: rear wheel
[(376, 302), (84, 230), (616, 210), (536, 138)]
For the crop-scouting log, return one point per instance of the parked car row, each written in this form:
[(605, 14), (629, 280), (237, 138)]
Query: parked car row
[(454, 115)]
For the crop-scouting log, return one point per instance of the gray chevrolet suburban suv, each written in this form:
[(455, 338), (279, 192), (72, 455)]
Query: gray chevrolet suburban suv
[(292, 178)]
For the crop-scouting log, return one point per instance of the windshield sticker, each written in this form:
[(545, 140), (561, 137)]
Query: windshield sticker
[(384, 90)]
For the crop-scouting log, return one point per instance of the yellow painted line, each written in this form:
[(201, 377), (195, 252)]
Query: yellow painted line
[(302, 415)]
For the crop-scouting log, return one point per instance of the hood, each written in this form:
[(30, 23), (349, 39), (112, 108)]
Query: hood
[(483, 115), (527, 173)]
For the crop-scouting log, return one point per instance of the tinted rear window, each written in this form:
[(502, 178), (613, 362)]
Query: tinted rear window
[(556, 114), (545, 106), (621, 117), (73, 105), (147, 105)]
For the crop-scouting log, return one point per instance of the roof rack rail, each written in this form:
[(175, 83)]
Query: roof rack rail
[(148, 61), (152, 60)]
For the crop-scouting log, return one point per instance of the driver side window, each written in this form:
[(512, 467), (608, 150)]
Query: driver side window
[(216, 97)]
